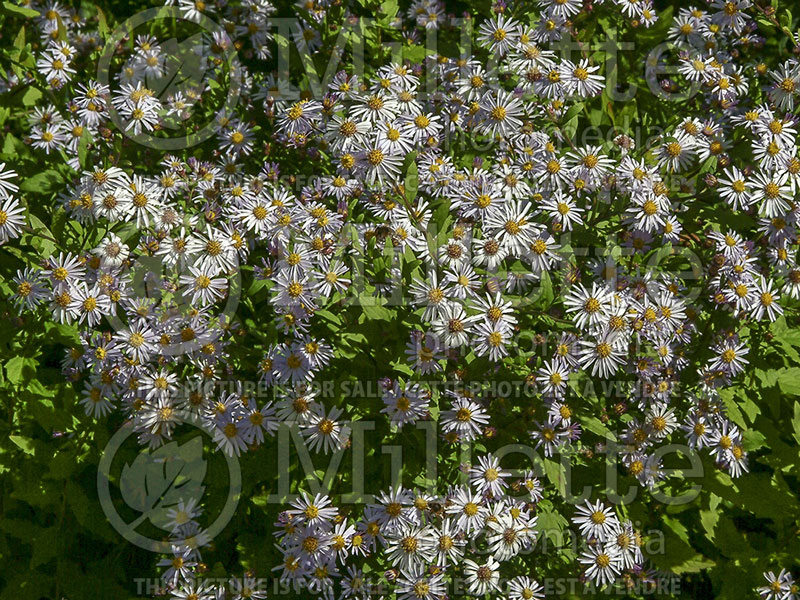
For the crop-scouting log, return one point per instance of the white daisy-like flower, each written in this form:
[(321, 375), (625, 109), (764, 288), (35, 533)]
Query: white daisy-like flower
[(483, 578), (596, 521), (465, 418), (502, 112), (730, 356), (604, 354), (490, 339), (405, 403), (453, 326), (487, 476), (324, 433), (499, 34), (603, 563), (590, 307), (12, 219)]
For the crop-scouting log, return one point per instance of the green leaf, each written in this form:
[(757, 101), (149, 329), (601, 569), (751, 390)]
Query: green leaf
[(43, 182), (19, 41), (41, 238), (414, 53), (594, 425), (747, 405), (389, 10), (680, 556), (102, 24), (709, 518), (329, 316), (24, 444), (573, 112), (570, 127), (767, 378), (411, 183), (550, 523), (21, 11), (83, 146), (31, 96), (373, 310), (555, 473), (9, 147), (732, 408), (16, 367), (62, 30), (545, 291), (753, 440), (796, 422), (789, 381)]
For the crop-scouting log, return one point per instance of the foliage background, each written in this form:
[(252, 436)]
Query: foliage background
[(55, 541)]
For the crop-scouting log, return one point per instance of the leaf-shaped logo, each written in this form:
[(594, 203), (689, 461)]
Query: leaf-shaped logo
[(158, 481)]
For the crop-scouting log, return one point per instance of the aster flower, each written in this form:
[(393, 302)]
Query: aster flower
[(482, 578), (596, 521), (323, 432), (12, 219), (465, 418), (603, 564)]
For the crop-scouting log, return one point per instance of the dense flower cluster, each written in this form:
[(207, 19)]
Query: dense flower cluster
[(477, 527)]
